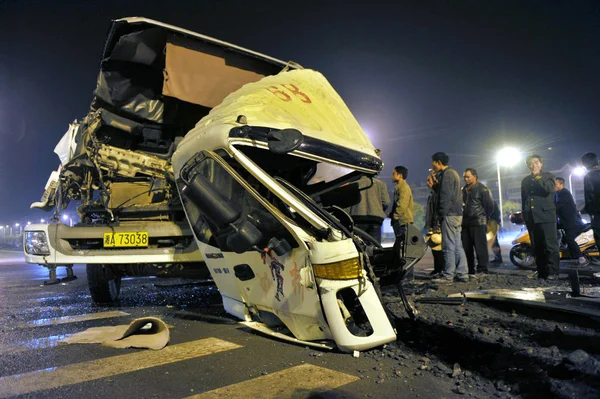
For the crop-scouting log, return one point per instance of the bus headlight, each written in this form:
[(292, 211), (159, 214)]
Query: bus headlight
[(36, 243), (343, 270)]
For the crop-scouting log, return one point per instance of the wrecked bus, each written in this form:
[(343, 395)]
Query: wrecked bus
[(199, 157)]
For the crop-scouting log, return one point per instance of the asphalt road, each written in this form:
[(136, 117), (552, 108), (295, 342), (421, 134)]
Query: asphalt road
[(209, 354)]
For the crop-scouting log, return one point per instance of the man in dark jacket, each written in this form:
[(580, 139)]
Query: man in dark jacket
[(539, 212), (432, 223), (369, 213), (478, 208), (591, 190), (450, 216), (569, 219)]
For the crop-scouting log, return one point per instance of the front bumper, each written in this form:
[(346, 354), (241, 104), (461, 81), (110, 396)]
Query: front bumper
[(383, 332), (61, 250)]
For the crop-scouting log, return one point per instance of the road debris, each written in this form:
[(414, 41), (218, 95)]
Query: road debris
[(145, 333)]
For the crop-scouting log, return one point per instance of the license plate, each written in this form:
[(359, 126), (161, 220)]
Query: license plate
[(126, 239)]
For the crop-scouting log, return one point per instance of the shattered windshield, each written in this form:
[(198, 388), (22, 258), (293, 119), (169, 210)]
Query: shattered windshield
[(309, 176), (318, 185), (326, 173)]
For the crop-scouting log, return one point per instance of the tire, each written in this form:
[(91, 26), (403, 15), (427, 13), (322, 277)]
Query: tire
[(104, 283), (594, 260), (522, 257)]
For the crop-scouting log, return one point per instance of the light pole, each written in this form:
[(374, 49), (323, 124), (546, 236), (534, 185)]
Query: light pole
[(507, 156), (578, 171)]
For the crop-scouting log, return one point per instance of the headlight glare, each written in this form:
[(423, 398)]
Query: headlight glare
[(36, 243)]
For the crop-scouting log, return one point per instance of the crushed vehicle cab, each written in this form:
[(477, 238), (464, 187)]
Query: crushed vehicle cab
[(251, 161)]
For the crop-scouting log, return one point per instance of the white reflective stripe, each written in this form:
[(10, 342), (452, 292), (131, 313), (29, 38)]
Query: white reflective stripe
[(36, 343), (294, 382), (71, 319), (39, 380)]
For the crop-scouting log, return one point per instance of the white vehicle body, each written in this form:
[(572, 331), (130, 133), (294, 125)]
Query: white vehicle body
[(319, 113), (263, 179)]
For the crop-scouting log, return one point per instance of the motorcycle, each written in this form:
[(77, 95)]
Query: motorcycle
[(522, 255)]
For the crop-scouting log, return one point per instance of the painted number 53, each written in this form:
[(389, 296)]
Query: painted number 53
[(282, 91)]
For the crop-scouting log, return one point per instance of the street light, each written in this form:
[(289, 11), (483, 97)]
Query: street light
[(67, 217), (507, 156), (578, 171)]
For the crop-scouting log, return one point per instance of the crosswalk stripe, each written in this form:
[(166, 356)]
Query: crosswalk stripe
[(36, 343), (34, 381), (40, 343), (72, 319), (293, 382), (55, 308)]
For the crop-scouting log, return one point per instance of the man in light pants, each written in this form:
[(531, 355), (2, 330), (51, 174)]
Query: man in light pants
[(450, 210)]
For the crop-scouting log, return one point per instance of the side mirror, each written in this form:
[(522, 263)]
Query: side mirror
[(245, 237), (415, 247)]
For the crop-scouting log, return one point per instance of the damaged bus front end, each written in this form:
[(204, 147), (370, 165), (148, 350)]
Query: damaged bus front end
[(225, 161), (264, 180)]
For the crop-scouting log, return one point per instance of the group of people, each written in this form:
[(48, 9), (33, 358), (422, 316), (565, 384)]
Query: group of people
[(546, 202), (460, 214), (370, 212), (457, 216)]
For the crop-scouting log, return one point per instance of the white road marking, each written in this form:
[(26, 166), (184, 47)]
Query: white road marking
[(71, 319), (22, 384), (294, 382)]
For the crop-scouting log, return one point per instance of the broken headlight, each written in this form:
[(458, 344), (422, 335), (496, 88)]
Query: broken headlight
[(36, 243), (343, 270)]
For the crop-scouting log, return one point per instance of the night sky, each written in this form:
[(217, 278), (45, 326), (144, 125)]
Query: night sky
[(464, 77)]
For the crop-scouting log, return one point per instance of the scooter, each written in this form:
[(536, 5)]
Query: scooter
[(522, 255)]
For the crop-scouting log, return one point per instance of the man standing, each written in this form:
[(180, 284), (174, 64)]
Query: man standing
[(569, 219), (369, 213), (450, 215), (591, 190), (403, 207), (539, 212), (478, 208), (432, 223)]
